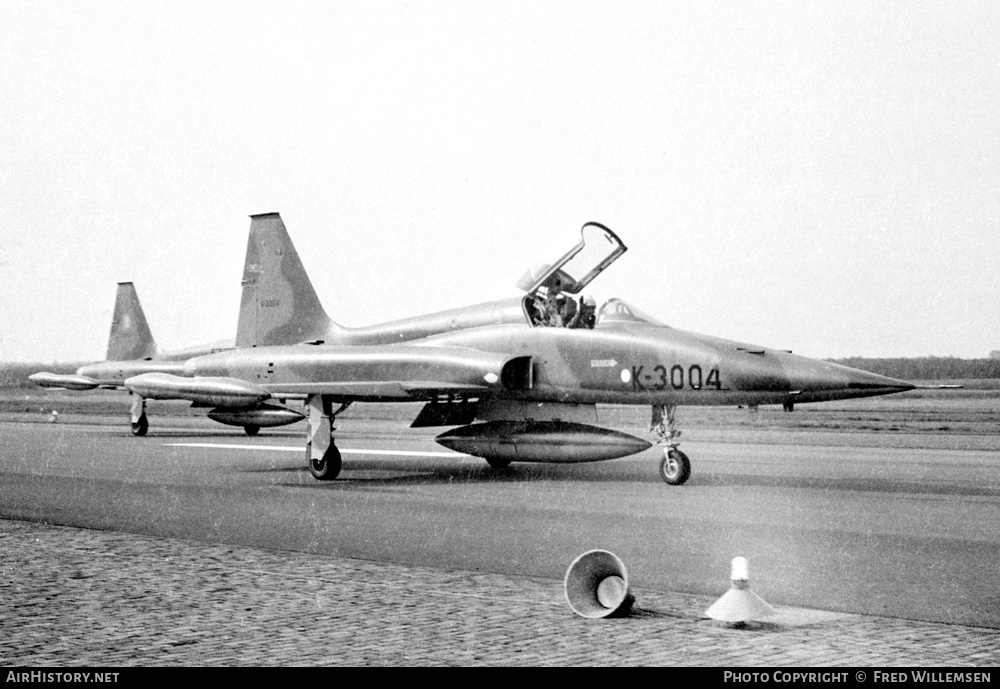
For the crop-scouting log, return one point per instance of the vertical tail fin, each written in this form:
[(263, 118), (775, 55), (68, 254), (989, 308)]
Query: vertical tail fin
[(130, 335), (279, 305)]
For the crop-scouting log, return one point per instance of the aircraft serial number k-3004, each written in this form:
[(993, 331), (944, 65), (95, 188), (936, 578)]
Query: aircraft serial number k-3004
[(518, 379)]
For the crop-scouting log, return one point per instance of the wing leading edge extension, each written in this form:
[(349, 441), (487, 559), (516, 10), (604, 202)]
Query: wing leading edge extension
[(382, 373)]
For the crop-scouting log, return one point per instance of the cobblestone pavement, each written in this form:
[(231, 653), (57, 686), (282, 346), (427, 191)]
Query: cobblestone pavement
[(72, 597)]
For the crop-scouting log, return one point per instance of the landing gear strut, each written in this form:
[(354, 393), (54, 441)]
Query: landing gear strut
[(321, 450), (675, 467), (140, 424)]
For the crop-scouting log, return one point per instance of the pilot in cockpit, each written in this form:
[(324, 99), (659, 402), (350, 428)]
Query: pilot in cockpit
[(567, 311), (558, 310), (587, 316), (552, 307)]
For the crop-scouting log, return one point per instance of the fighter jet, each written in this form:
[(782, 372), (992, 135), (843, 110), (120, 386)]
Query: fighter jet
[(518, 379), (131, 351)]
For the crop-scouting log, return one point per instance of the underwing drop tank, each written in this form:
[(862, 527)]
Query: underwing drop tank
[(541, 441), (68, 381), (263, 416)]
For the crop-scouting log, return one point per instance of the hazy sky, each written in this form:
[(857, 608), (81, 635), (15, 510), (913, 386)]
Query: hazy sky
[(822, 177)]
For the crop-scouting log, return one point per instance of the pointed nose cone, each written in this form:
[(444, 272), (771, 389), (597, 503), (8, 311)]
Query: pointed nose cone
[(816, 381)]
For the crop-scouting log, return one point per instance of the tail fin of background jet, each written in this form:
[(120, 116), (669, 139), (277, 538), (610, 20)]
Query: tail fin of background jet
[(130, 335), (279, 305)]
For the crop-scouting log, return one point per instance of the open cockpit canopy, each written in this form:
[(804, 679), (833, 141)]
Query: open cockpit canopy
[(598, 248), (546, 303)]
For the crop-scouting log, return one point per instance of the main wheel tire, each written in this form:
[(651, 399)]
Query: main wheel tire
[(327, 468), (251, 430), (140, 427), (675, 468), (498, 462)]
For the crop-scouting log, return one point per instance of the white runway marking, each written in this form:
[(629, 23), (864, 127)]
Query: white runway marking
[(286, 448)]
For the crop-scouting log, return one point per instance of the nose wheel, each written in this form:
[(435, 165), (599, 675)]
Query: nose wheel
[(675, 467)]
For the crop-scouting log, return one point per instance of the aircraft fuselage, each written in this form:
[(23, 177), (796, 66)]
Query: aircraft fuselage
[(634, 364)]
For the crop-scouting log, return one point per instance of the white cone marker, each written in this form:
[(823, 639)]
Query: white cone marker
[(739, 603)]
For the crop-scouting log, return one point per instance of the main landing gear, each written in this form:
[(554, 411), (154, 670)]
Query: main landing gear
[(675, 467), (140, 424), (321, 450)]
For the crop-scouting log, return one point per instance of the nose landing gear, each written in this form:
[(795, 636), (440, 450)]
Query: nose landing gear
[(675, 467)]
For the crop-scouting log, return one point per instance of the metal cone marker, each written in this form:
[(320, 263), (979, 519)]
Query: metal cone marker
[(596, 585), (739, 603)]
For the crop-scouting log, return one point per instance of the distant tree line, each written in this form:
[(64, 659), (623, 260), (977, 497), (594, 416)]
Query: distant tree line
[(16, 375), (926, 368)]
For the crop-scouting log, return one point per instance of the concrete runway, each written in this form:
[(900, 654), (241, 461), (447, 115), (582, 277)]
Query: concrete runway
[(900, 532)]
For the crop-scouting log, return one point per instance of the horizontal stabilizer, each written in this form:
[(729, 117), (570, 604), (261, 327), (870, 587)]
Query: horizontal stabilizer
[(218, 392), (66, 382)]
